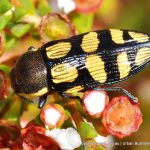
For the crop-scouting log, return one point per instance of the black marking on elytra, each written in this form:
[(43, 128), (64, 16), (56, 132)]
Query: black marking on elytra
[(76, 45), (108, 50), (48, 64), (111, 66), (129, 41), (108, 54), (105, 39)]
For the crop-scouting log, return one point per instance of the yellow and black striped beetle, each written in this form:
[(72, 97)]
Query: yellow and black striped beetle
[(81, 62)]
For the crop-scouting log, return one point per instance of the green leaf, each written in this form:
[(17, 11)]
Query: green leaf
[(83, 22), (79, 106), (43, 8), (67, 113), (67, 124), (3, 104), (5, 5), (5, 68), (38, 121), (13, 113), (19, 13), (101, 147), (28, 5), (11, 43), (20, 29), (87, 131), (4, 19)]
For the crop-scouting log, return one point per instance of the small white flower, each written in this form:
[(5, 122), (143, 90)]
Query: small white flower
[(68, 139), (95, 102), (66, 5)]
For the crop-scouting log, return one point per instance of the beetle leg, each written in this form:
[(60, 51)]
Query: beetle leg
[(42, 101), (119, 89), (64, 95)]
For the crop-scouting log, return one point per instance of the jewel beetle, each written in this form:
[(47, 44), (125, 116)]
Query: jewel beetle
[(81, 62)]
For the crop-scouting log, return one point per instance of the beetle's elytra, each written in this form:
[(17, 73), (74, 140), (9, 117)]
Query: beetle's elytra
[(81, 62)]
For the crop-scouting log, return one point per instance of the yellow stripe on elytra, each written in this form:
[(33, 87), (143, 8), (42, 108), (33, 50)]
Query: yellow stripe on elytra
[(90, 42), (139, 37), (123, 65), (58, 50), (64, 73), (75, 89), (38, 93), (142, 55), (96, 68), (117, 36)]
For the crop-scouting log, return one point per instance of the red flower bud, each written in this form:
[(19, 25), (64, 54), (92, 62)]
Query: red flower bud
[(121, 117), (34, 138)]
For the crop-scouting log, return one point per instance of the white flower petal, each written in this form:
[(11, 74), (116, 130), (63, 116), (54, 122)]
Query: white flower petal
[(73, 137), (67, 8), (66, 5), (68, 139), (95, 102)]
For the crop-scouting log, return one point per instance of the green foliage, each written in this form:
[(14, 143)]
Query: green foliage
[(4, 19), (4, 6), (83, 22), (13, 112), (43, 8), (87, 131), (10, 43), (19, 12), (3, 104), (28, 6), (5, 68), (20, 29), (100, 148)]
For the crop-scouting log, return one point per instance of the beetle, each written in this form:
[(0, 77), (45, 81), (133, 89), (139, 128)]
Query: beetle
[(82, 62)]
